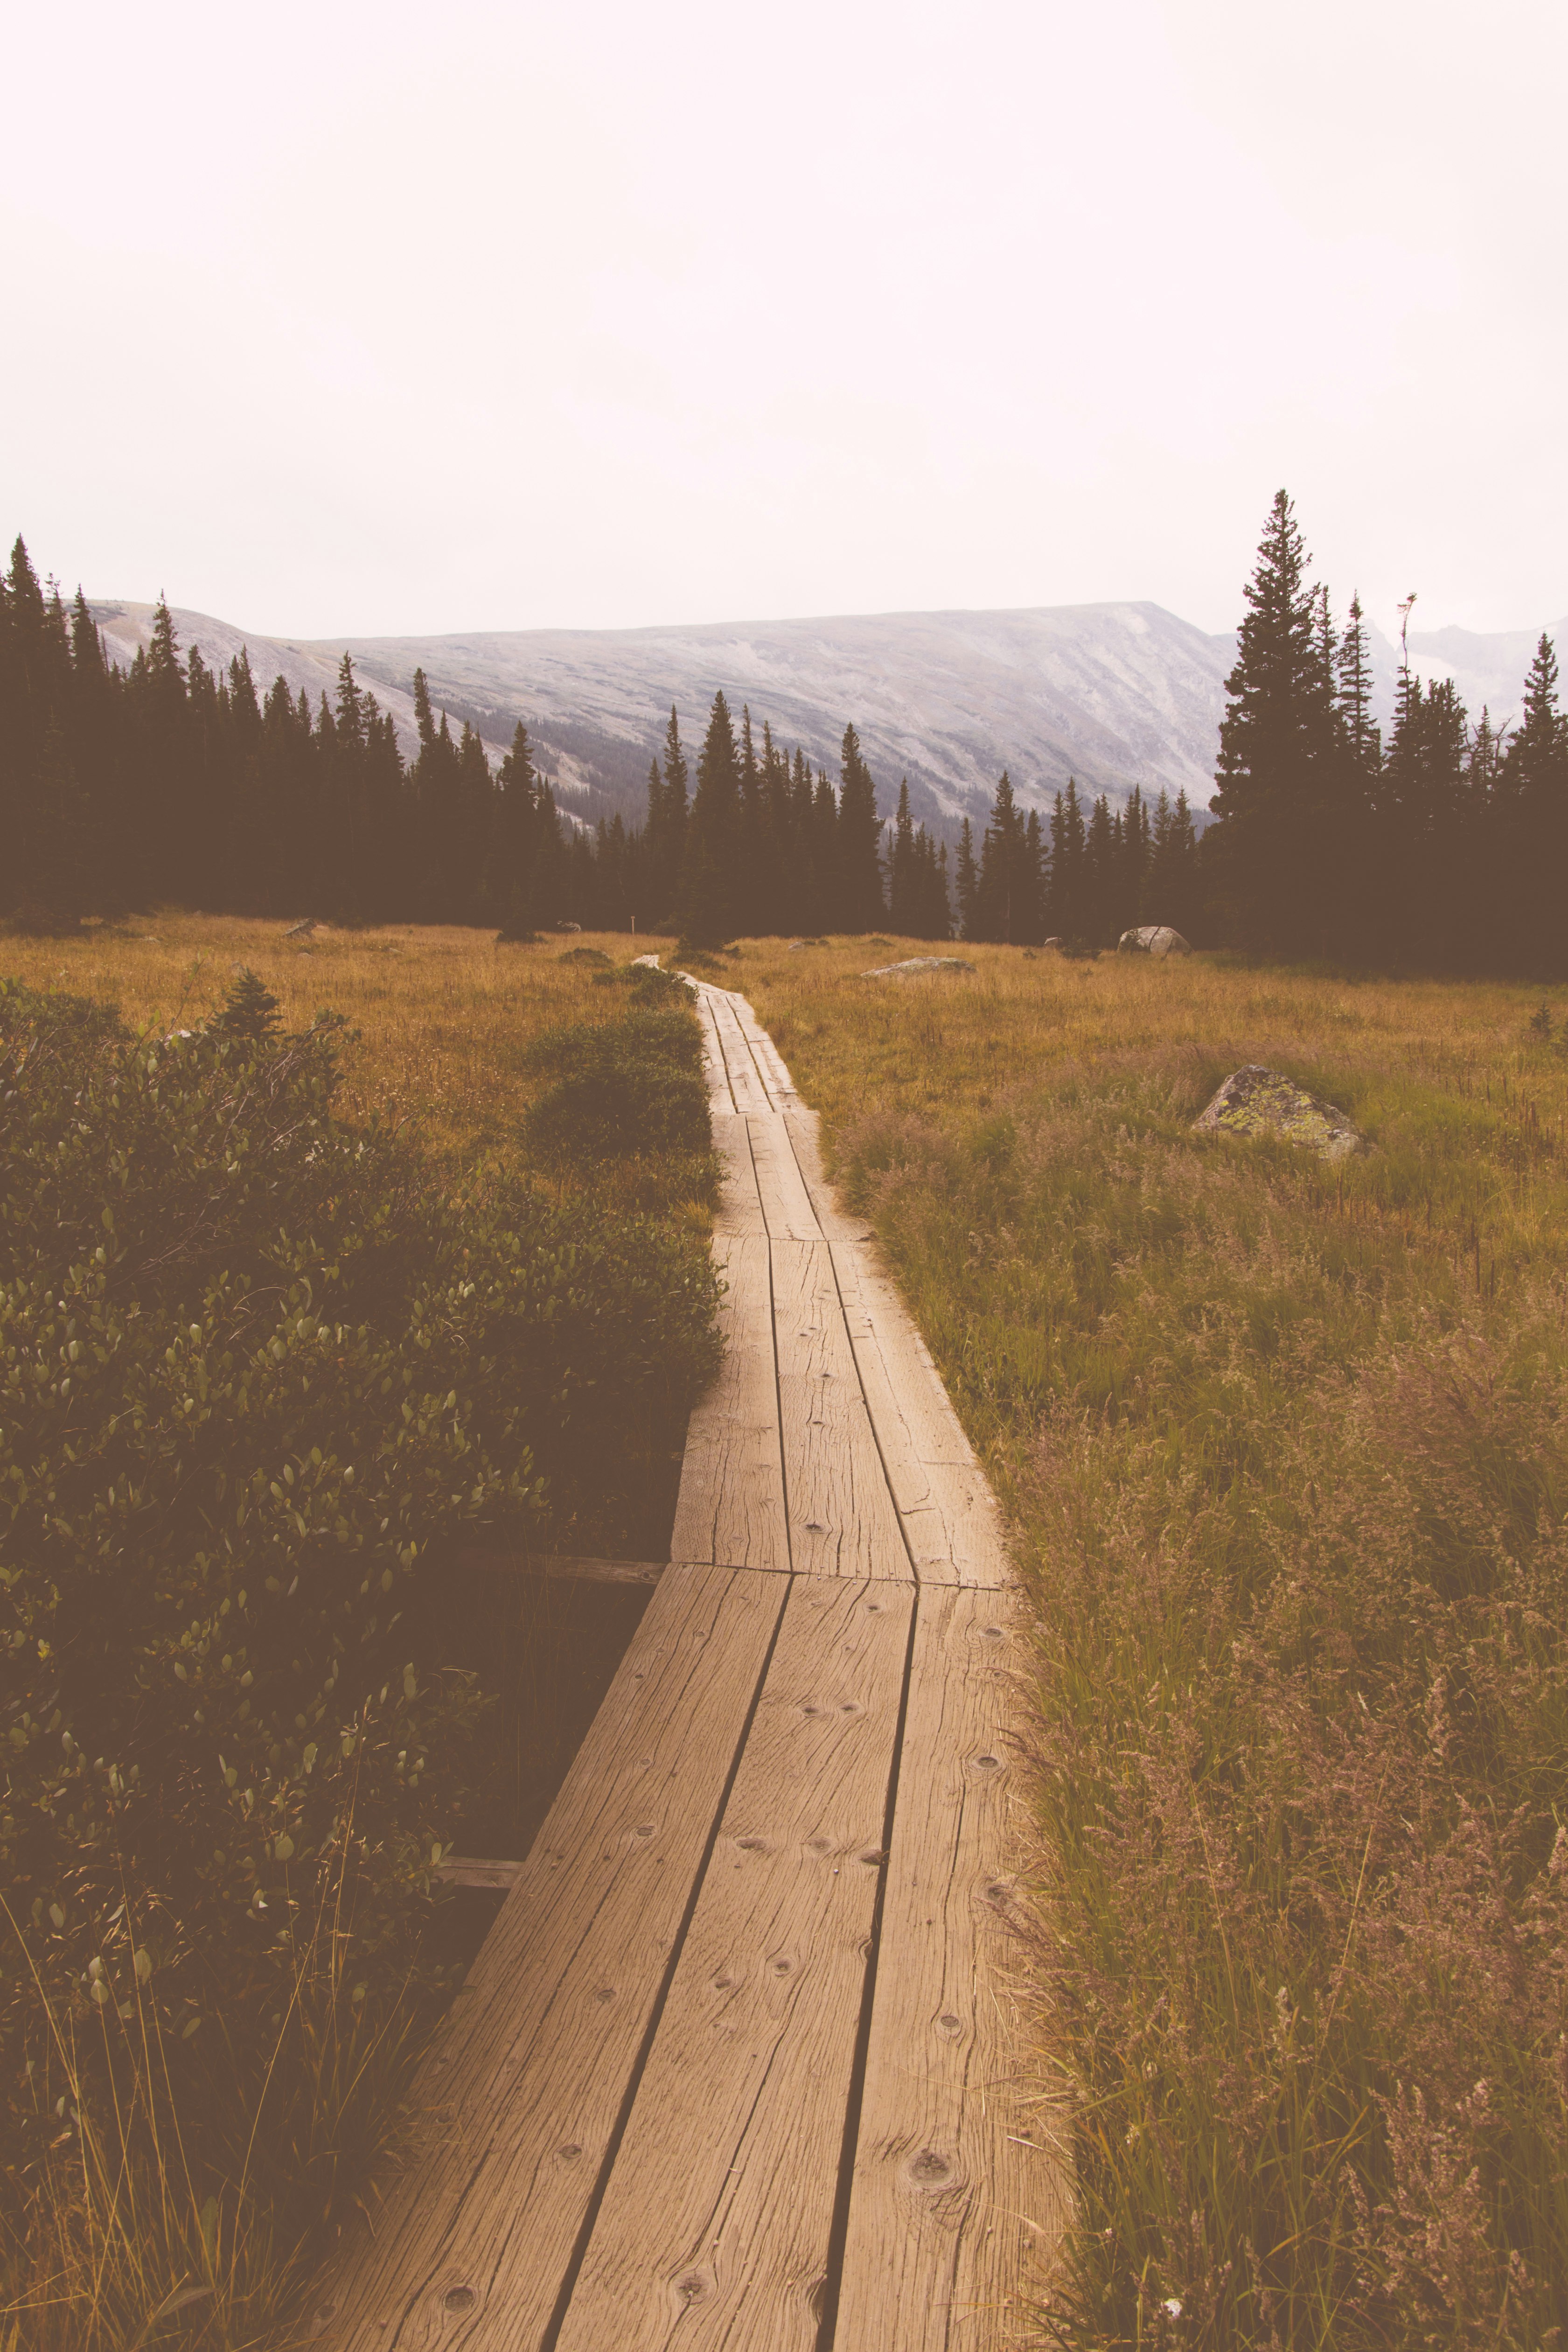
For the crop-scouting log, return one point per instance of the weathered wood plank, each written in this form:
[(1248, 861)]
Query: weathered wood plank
[(714, 2227), (841, 1517), (740, 1068), (787, 1210), (721, 1098), (960, 2192), (523, 2091), (804, 1129), (731, 1504), (950, 1515), (944, 1498), (740, 1198)]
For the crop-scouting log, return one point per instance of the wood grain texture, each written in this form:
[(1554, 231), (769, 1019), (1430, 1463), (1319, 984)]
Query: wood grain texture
[(721, 1098), (843, 1521), (731, 1504), (787, 1210), (959, 2193), (715, 2228), (745, 1081), (945, 1500), (740, 1200), (519, 2098)]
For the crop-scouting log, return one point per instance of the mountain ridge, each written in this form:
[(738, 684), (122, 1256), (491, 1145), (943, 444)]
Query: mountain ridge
[(1120, 695)]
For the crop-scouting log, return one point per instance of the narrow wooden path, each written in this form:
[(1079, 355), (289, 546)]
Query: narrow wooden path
[(737, 2065)]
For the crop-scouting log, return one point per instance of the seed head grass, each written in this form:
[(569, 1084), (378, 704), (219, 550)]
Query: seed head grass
[(1283, 1443)]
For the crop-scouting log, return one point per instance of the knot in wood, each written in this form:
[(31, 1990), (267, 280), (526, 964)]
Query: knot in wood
[(693, 2287), (929, 2169), (459, 2298)]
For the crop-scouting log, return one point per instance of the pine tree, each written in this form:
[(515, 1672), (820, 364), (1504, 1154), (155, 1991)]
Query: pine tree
[(250, 1010), (860, 906), (1066, 912), (1362, 738), (967, 880), (1279, 779), (709, 872), (1004, 890), (901, 878)]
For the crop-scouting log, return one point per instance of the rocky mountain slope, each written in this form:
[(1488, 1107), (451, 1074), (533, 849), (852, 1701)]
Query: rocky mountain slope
[(1116, 695)]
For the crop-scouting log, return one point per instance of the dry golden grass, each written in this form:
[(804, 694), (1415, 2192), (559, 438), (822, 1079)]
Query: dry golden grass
[(955, 1045), (444, 1017), (1284, 1450)]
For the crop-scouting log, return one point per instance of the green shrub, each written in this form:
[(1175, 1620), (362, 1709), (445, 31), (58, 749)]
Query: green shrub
[(626, 1088), (256, 1366)]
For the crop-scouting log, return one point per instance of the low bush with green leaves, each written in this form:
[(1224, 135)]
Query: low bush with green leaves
[(624, 1088), (258, 1368)]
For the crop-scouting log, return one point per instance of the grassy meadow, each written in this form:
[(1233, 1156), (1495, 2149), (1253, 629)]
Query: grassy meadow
[(1284, 1450), (444, 1021)]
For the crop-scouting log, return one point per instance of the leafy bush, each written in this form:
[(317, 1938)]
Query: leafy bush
[(257, 1367), (626, 1087)]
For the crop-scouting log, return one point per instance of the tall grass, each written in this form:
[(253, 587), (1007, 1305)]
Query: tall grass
[(1285, 1450), (173, 2197)]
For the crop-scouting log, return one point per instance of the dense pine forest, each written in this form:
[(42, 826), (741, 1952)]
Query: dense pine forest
[(1445, 849)]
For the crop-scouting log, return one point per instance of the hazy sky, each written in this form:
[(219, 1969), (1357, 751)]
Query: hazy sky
[(348, 318)]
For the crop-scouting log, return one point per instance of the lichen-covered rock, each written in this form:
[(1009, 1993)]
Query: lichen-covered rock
[(917, 964), (1152, 939), (1256, 1101)]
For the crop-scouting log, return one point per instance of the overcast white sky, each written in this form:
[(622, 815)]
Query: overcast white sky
[(347, 318)]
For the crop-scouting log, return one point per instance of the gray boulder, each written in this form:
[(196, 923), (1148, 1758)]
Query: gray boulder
[(1152, 939), (916, 964), (1256, 1101)]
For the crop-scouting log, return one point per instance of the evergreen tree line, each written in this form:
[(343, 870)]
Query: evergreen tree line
[(1080, 879), (173, 781), (1445, 849)]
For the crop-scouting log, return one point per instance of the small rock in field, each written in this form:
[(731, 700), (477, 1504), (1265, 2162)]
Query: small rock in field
[(917, 964), (1152, 939), (1256, 1101)]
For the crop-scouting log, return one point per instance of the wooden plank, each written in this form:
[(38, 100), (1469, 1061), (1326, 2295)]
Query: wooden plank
[(522, 2093), (731, 1504), (468, 1870), (949, 1514), (841, 1517), (739, 1207), (786, 1208), (960, 2190), (770, 1060), (714, 2227), (745, 1085), (565, 1565), (721, 1098), (945, 1500)]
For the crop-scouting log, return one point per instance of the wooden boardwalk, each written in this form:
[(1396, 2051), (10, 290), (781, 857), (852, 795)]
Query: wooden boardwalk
[(735, 2066)]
